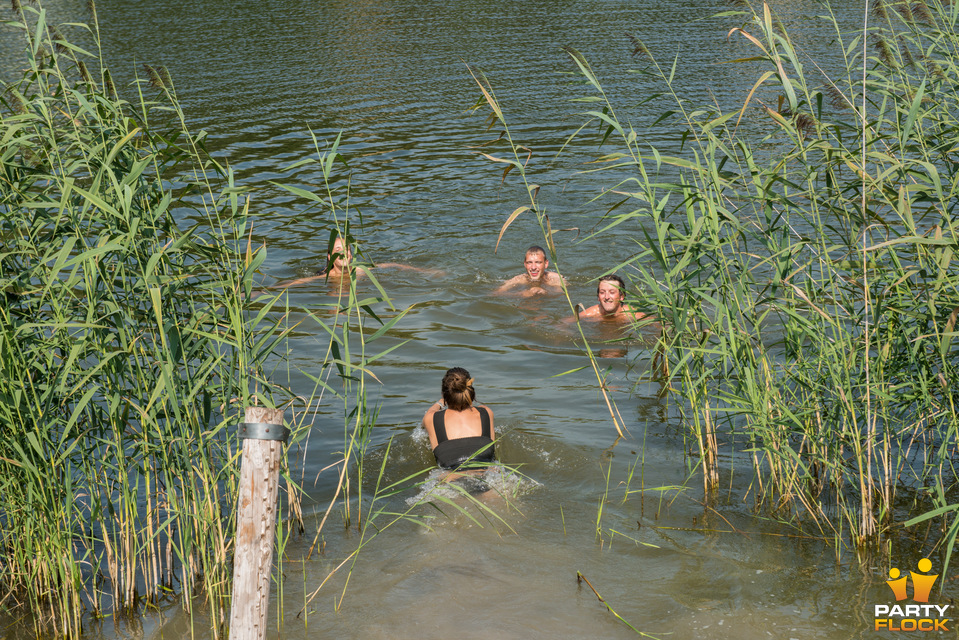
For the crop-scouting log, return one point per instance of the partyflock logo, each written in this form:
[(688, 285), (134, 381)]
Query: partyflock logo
[(920, 616)]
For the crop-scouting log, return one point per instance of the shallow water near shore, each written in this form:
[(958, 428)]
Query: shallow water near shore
[(587, 509)]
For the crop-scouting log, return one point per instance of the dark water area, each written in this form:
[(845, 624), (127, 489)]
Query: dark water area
[(393, 78)]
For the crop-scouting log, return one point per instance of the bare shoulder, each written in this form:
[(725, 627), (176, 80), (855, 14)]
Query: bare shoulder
[(554, 279), (590, 313), (647, 321), (636, 314)]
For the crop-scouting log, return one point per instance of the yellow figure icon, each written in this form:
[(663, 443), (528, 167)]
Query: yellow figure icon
[(921, 584), (897, 584)]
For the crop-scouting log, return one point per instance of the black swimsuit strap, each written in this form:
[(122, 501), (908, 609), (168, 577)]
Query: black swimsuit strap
[(439, 426), (484, 422)]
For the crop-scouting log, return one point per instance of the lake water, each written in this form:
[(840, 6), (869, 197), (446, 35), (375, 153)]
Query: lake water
[(392, 76)]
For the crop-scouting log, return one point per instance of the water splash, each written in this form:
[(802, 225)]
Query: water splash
[(496, 479)]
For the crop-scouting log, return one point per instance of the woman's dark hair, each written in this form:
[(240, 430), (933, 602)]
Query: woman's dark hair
[(458, 392)]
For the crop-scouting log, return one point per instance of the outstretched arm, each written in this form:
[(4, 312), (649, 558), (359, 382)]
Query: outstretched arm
[(298, 281), (409, 267)]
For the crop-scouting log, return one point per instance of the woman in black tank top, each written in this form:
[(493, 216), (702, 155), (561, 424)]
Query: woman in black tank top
[(461, 435)]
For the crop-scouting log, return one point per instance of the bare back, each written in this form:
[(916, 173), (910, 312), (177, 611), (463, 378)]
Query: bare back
[(459, 424)]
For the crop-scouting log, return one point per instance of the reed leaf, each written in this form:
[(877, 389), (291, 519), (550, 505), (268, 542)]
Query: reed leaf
[(804, 269)]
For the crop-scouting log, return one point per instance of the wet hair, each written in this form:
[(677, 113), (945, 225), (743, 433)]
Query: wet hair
[(537, 249), (613, 278), (458, 392)]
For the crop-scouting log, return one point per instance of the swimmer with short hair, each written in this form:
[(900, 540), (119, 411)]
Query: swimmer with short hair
[(612, 308), (611, 295), (537, 279)]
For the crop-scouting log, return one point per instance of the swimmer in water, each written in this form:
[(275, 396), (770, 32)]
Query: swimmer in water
[(611, 295), (338, 260), (461, 434), (537, 279), (612, 308)]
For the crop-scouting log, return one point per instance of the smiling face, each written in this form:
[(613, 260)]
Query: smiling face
[(610, 297), (536, 265), (341, 255)]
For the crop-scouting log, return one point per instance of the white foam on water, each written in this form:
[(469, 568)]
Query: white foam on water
[(420, 436), (496, 478)]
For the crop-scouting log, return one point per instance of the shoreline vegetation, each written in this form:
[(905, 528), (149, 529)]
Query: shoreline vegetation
[(803, 267), (131, 340), (130, 345), (127, 350)]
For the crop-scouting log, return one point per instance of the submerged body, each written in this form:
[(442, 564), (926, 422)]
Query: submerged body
[(537, 279), (339, 266), (611, 303)]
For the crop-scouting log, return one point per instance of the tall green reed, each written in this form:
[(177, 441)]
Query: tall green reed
[(126, 348), (128, 343), (799, 252), (350, 324), (132, 338)]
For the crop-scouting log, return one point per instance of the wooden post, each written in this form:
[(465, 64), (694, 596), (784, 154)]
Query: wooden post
[(263, 436)]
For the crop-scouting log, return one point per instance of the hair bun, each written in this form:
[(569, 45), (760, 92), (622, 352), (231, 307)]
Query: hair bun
[(458, 389)]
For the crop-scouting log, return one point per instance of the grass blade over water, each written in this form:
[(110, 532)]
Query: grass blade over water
[(803, 265), (129, 344)]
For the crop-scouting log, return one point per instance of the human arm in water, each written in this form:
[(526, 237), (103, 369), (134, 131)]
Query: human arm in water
[(334, 275), (409, 267), (624, 314), (296, 282), (428, 422), (512, 283)]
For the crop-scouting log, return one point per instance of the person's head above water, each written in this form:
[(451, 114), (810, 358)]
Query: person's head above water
[(617, 281), (457, 387), (611, 296), (535, 262), (536, 277), (338, 256), (611, 292)]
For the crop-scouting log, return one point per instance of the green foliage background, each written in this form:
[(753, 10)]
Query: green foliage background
[(127, 350)]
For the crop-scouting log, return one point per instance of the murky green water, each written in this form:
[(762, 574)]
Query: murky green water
[(392, 77)]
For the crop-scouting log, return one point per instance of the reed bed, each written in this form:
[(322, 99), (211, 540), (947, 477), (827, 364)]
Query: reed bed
[(130, 343), (126, 348), (799, 252)]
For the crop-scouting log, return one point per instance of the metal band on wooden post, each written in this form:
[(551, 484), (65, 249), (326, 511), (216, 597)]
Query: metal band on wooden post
[(263, 435), (263, 431)]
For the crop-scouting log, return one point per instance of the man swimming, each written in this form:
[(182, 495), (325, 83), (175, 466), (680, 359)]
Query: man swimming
[(611, 295), (538, 279)]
